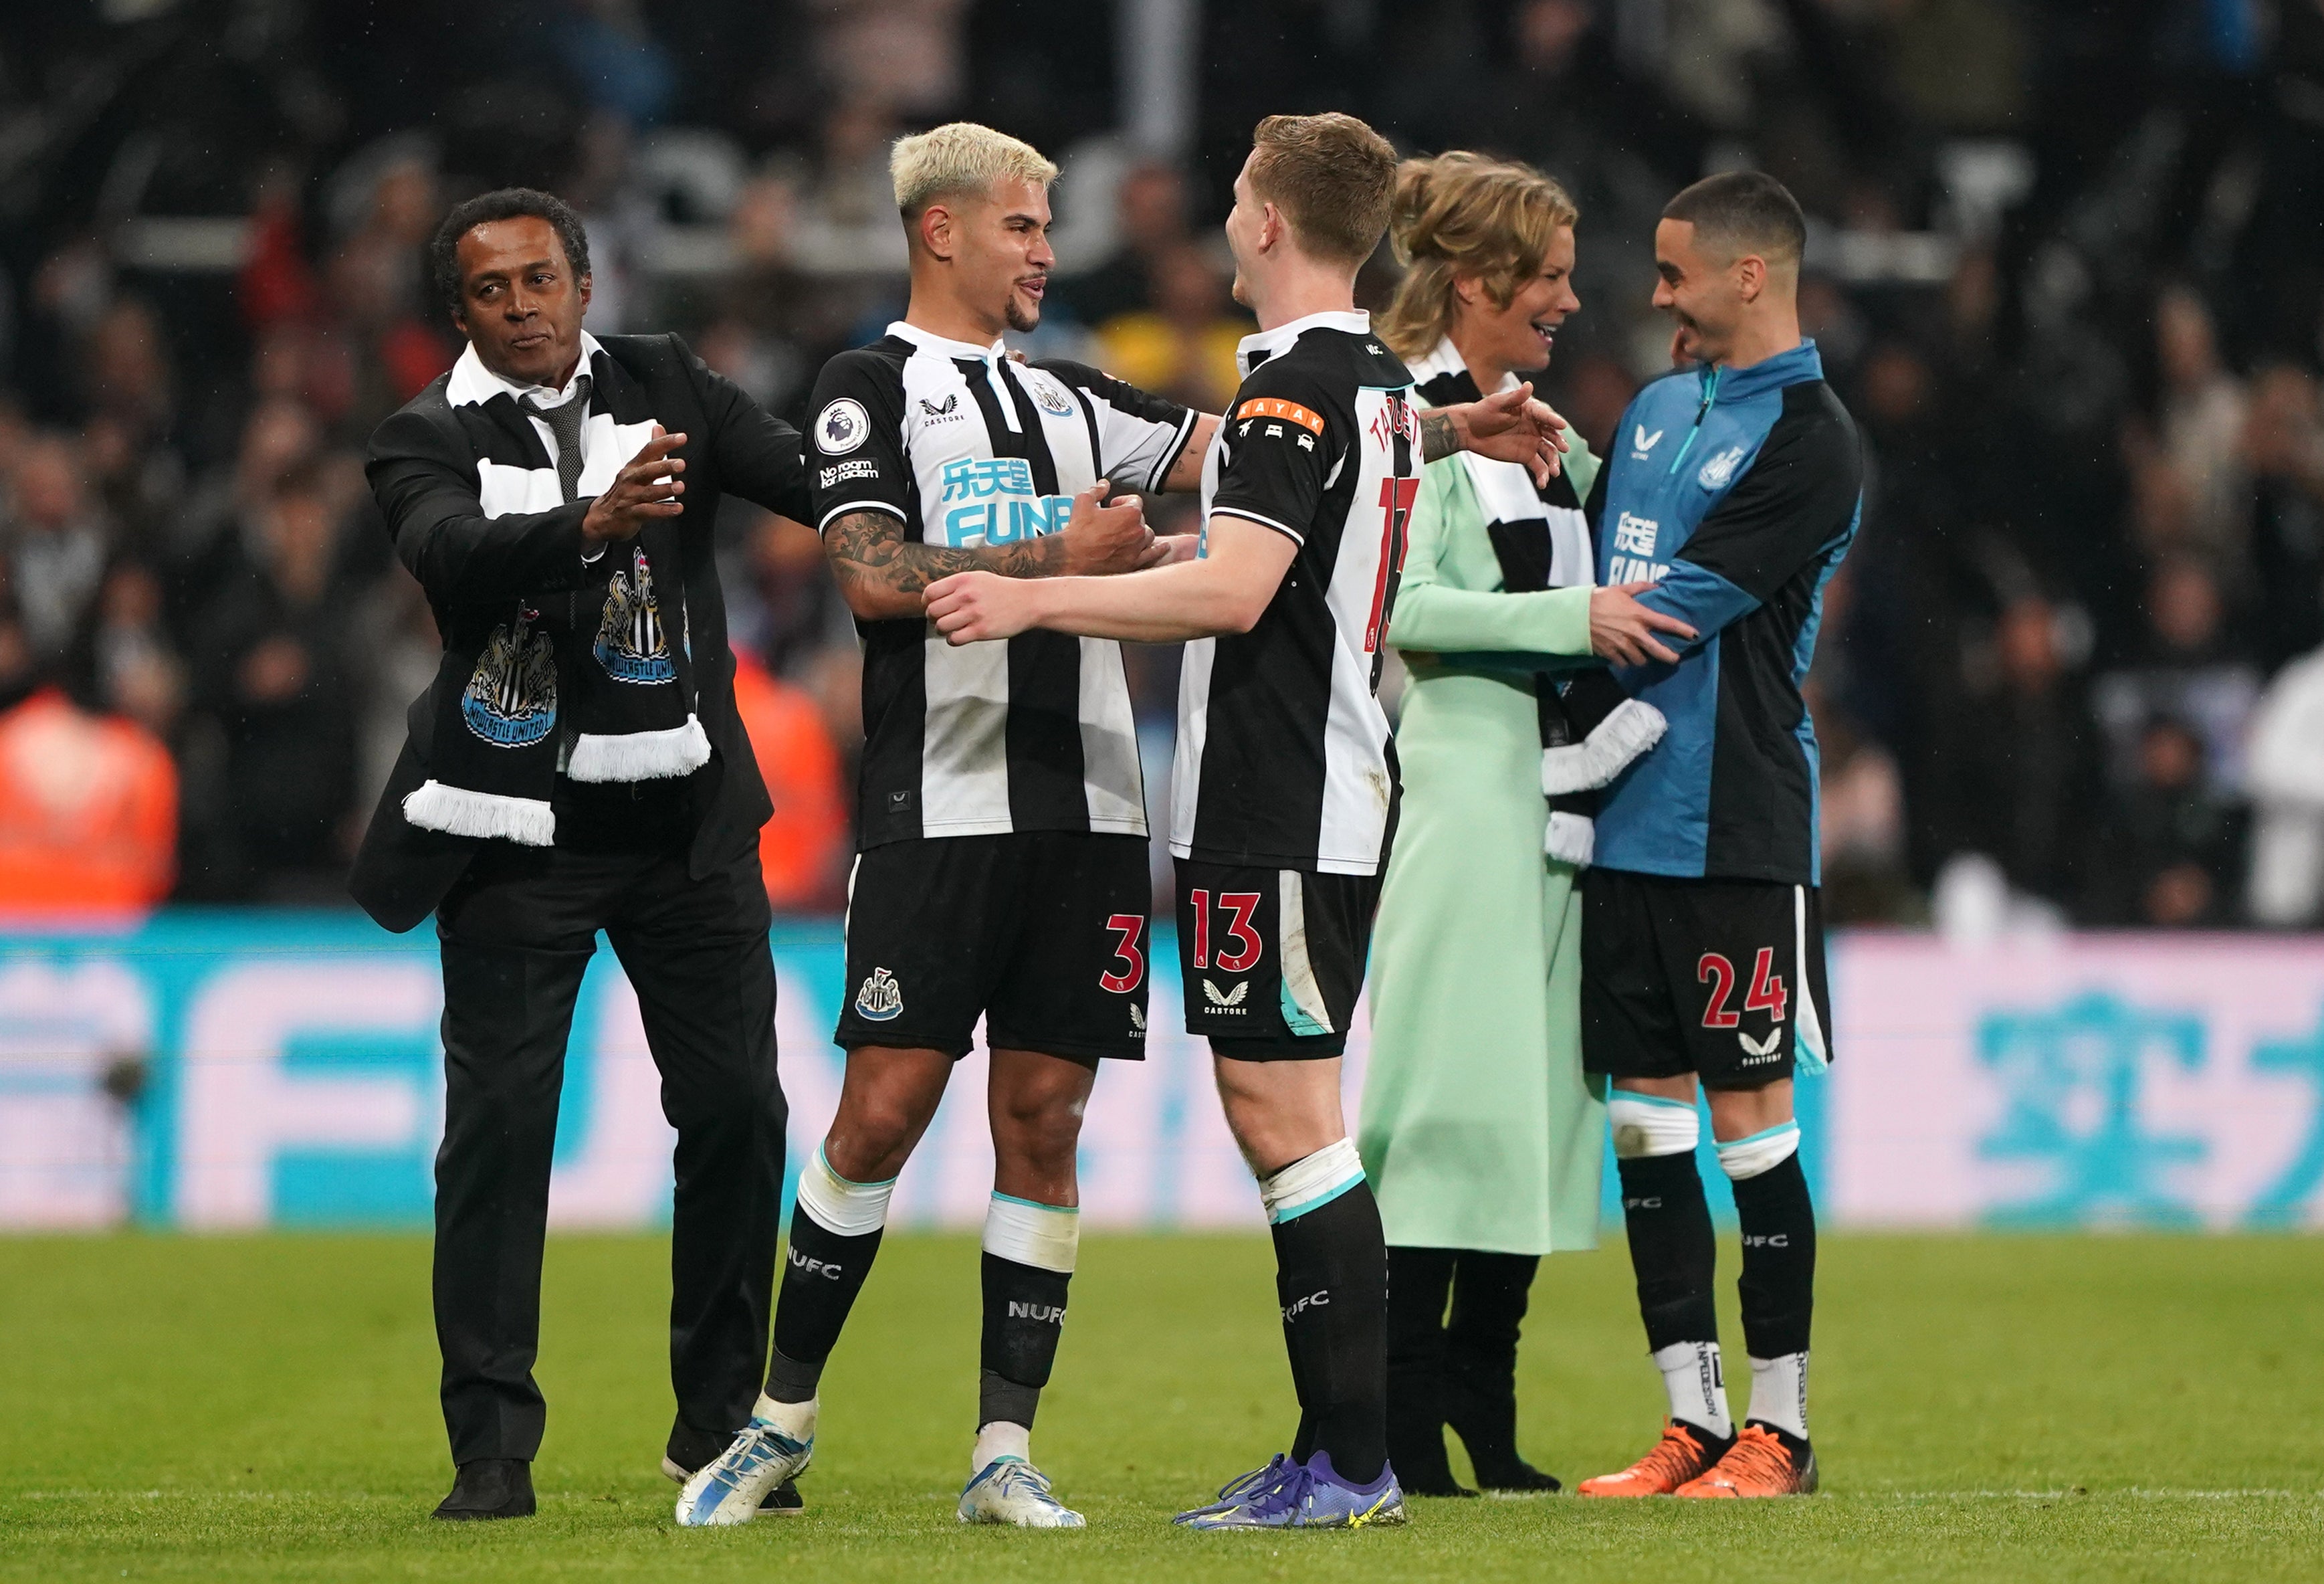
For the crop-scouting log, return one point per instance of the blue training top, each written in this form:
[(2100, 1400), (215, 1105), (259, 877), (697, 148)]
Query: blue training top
[(1736, 491)]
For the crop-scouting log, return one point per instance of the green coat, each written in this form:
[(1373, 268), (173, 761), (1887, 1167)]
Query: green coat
[(1478, 1128)]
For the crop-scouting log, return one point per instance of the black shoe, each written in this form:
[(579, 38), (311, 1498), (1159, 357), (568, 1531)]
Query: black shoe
[(1514, 1473), (1482, 1407), (782, 1501), (1416, 1437), (490, 1487)]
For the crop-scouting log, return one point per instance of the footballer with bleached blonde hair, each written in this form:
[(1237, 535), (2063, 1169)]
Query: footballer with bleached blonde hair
[(1003, 865)]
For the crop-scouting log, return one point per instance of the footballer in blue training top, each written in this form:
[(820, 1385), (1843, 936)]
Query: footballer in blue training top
[(1734, 486)]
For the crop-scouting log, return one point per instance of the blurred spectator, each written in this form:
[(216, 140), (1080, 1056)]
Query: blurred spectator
[(775, 323), (126, 660), (611, 53), (2201, 418), (87, 809), (2192, 671), (1860, 809), (378, 299), (803, 846), (2172, 846), (1149, 218), (277, 671), (397, 639), (128, 374), (782, 607), (905, 55), (1184, 345), (2284, 448), (2026, 757), (56, 539)]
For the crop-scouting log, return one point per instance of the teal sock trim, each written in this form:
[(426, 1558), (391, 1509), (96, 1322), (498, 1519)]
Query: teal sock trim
[(1780, 1128), (1034, 1204), (1294, 1212), (883, 1182)]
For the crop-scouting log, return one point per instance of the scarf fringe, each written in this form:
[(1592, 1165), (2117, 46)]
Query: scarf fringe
[(1571, 838), (640, 756), (1628, 730), (457, 812)]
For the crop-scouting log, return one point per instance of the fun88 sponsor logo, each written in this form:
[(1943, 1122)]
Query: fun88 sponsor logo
[(990, 501)]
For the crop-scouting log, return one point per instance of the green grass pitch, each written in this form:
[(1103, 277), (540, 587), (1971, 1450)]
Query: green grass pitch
[(2109, 1409)]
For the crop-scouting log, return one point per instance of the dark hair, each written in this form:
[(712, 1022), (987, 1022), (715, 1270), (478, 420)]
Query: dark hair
[(1746, 211), (508, 203)]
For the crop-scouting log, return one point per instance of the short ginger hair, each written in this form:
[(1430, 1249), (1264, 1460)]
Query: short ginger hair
[(1332, 177)]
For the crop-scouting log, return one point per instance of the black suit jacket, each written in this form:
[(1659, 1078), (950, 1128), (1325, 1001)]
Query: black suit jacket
[(423, 470)]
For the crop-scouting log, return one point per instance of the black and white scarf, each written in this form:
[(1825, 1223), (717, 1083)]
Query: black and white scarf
[(1590, 729), (596, 684)]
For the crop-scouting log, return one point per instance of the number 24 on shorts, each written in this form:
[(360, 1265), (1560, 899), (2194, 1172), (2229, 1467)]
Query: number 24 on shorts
[(1767, 992)]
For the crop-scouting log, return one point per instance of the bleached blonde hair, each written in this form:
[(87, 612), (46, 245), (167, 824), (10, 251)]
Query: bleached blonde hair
[(960, 157)]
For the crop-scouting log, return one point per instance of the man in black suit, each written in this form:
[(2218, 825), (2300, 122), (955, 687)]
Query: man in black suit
[(578, 764)]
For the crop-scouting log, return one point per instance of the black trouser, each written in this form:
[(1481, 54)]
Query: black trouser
[(517, 931)]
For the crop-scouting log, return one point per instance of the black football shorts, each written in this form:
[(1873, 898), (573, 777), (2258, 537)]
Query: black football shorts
[(1041, 932), (1273, 959), (1722, 978)]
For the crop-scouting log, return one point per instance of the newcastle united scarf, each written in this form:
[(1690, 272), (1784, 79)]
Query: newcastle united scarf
[(1590, 729), (596, 684)]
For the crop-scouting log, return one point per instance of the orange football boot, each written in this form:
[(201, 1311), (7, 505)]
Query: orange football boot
[(1685, 1453), (1761, 1463)]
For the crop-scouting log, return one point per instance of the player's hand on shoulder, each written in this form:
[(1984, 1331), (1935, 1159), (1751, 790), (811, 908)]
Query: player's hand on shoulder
[(1623, 631), (974, 608), (1101, 538)]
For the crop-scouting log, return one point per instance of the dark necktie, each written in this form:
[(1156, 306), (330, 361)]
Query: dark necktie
[(565, 423)]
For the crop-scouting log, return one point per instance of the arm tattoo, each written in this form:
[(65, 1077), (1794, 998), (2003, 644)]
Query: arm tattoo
[(868, 550), (1440, 437)]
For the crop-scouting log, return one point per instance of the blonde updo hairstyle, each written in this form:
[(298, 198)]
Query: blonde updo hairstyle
[(1464, 214)]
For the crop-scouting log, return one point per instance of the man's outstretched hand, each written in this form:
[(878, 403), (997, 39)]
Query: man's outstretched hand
[(1510, 426), (972, 607), (1623, 631), (646, 488)]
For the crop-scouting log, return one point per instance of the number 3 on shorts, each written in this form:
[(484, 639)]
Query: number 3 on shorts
[(1127, 928)]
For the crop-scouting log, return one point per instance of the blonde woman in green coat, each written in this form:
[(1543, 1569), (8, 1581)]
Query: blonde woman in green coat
[(1480, 1132)]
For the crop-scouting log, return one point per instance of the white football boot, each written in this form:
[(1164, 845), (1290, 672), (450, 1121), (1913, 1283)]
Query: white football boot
[(776, 1445), (1009, 1490)]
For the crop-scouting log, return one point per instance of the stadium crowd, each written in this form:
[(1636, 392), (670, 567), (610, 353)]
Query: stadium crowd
[(2063, 268)]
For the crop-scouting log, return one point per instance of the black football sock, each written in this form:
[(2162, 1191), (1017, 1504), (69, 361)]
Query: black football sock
[(1672, 1253), (1024, 1317), (1489, 1292), (1675, 1255), (1332, 1265), (1418, 1280), (1777, 1289), (821, 1278)]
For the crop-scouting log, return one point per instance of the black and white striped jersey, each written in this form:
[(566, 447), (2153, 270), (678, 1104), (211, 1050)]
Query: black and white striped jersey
[(970, 447), (1539, 527), (1285, 757)]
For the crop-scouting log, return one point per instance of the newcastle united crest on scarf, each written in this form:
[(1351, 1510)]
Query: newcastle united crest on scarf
[(510, 701), (630, 644)]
